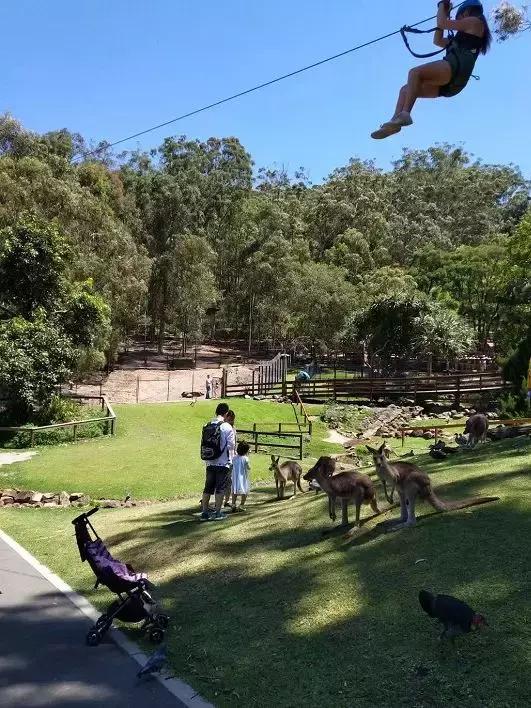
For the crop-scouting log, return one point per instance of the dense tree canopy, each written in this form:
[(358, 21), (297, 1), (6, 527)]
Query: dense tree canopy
[(434, 251)]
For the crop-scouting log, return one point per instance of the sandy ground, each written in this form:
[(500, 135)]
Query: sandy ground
[(335, 437), (8, 458), (157, 386)]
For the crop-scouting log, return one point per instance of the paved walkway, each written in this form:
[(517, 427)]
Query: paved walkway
[(43, 657)]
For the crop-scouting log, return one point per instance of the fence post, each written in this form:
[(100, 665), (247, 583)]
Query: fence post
[(137, 387), (458, 394), (32, 440), (300, 447), (255, 435), (224, 383), (75, 432), (168, 389), (403, 436)]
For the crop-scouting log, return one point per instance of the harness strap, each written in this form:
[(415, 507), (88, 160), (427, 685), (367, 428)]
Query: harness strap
[(413, 30)]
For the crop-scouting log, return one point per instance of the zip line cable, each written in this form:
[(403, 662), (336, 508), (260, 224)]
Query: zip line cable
[(255, 88)]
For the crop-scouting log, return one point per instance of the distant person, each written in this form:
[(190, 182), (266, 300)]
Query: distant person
[(215, 388), (230, 418), (208, 387), (217, 450), (241, 469)]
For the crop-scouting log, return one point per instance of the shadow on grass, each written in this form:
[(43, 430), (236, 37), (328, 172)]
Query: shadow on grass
[(266, 612)]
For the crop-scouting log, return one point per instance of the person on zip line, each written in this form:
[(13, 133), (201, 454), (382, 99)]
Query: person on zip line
[(449, 76)]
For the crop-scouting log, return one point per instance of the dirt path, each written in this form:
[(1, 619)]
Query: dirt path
[(8, 458)]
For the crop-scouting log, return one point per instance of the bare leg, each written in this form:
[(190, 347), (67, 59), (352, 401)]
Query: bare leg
[(205, 501), (219, 501), (234, 497), (400, 104), (299, 485), (243, 500), (424, 82)]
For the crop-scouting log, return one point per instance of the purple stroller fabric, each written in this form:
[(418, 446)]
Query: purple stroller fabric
[(108, 568)]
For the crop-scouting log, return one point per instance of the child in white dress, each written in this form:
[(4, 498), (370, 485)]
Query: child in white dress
[(240, 475)]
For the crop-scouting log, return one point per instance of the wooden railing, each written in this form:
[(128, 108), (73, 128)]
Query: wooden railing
[(448, 426), (303, 411), (261, 439), (371, 388), (109, 419)]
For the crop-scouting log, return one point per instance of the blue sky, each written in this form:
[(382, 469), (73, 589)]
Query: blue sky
[(108, 68)]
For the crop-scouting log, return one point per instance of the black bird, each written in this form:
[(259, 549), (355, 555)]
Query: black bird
[(456, 616), (155, 663)]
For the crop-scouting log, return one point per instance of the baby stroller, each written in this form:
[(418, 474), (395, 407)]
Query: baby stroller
[(134, 603)]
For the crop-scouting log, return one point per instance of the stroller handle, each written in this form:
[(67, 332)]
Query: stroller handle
[(82, 517)]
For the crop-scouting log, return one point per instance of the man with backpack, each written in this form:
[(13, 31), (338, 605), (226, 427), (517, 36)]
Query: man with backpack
[(217, 449)]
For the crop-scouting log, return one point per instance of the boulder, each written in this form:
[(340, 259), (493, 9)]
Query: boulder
[(6, 500), (48, 496), (36, 498), (64, 499), (49, 504), (9, 493), (23, 497), (109, 504)]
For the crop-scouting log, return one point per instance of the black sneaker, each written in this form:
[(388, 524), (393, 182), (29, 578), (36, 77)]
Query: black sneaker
[(205, 516)]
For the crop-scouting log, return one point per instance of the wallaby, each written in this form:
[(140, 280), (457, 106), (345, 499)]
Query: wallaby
[(286, 472), (412, 482), (476, 427), (347, 486)]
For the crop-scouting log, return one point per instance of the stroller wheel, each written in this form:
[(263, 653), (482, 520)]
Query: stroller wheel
[(93, 638), (163, 621), (156, 635)]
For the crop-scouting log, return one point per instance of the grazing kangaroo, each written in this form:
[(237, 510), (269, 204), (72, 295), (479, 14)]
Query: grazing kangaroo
[(286, 472), (411, 482), (347, 486), (476, 427)]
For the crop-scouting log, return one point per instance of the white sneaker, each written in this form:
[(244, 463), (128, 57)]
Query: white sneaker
[(385, 130)]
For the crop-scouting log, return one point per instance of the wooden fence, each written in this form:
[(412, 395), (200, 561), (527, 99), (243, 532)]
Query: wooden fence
[(262, 439), (109, 419), (268, 379), (449, 426), (420, 386)]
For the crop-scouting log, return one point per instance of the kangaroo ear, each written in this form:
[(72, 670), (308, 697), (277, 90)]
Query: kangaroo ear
[(371, 450), (278, 460), (381, 448), (272, 458)]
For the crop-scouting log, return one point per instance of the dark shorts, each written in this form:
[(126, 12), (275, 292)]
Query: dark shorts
[(462, 63), (216, 480)]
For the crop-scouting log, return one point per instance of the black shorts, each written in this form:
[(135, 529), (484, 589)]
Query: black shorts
[(216, 480)]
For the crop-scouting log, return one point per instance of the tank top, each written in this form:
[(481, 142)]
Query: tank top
[(468, 41)]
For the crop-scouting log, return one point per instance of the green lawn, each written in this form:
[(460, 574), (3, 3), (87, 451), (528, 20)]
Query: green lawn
[(268, 612), (154, 455)]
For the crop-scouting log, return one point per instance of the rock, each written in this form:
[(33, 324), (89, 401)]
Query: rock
[(48, 496), (109, 504), (83, 500), (491, 415), (74, 496), (128, 504), (49, 503), (456, 416), (7, 500), (36, 498), (37, 505), (23, 497), (64, 499), (428, 435), (9, 492)]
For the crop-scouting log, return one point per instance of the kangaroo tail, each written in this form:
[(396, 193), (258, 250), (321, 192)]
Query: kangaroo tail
[(441, 505)]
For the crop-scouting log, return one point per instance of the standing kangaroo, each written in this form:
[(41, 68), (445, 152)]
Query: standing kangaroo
[(411, 482), (476, 427), (284, 473), (347, 486)]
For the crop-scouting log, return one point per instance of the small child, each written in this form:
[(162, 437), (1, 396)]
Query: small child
[(240, 475)]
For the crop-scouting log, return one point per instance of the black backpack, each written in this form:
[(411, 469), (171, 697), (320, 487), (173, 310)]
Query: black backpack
[(211, 447)]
